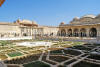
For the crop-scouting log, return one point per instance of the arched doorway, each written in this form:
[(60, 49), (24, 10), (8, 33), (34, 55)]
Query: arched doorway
[(83, 32), (58, 33), (70, 32), (24, 34), (93, 32), (63, 32), (76, 32)]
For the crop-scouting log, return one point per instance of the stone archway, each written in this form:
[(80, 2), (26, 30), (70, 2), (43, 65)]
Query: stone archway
[(58, 33), (83, 32), (70, 32), (63, 32), (93, 32), (76, 32), (24, 34)]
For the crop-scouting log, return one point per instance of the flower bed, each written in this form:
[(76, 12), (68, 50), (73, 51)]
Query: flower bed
[(85, 64), (56, 52), (97, 57), (23, 60), (14, 54), (81, 47), (44, 59), (3, 57), (58, 58), (9, 51), (72, 52), (36, 64)]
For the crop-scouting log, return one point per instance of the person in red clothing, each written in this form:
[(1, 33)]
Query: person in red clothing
[(1, 2)]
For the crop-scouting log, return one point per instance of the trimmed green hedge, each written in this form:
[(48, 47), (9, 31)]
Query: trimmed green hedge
[(56, 51), (14, 54), (3, 43), (36, 64)]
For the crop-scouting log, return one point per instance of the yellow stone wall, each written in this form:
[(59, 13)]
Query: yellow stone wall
[(9, 30)]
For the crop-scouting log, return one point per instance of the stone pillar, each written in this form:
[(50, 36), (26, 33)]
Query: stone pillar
[(60, 32), (79, 32), (66, 32), (98, 32), (87, 32), (72, 32)]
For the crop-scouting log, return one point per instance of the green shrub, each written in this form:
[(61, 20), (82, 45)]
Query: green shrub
[(36, 64), (3, 43), (13, 54)]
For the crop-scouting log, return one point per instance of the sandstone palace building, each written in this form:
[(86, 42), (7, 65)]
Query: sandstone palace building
[(24, 28), (85, 26)]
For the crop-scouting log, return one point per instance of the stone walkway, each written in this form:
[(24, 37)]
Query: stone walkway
[(70, 65), (40, 59), (2, 64), (77, 58)]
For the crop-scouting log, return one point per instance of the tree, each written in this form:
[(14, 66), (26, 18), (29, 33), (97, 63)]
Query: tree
[(1, 2)]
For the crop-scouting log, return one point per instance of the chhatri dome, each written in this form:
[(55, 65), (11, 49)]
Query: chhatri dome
[(89, 15), (62, 23), (27, 21), (76, 18)]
